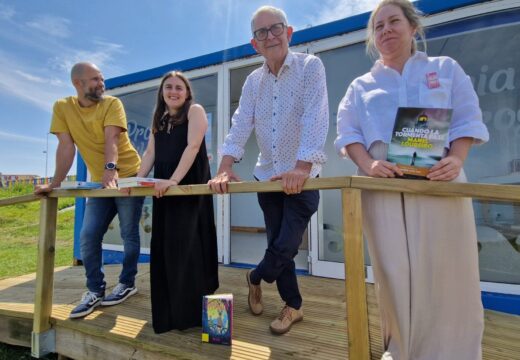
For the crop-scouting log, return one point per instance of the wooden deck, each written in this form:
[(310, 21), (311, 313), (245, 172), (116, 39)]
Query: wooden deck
[(124, 331)]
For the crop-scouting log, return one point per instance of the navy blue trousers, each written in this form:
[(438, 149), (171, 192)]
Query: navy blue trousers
[(286, 218)]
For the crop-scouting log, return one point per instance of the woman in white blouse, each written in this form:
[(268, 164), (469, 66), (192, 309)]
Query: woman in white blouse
[(423, 249)]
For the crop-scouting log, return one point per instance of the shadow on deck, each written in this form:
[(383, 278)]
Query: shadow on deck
[(124, 331)]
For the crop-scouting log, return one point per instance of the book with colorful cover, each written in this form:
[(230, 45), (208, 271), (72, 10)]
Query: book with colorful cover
[(217, 319), (80, 185), (418, 139), (136, 182)]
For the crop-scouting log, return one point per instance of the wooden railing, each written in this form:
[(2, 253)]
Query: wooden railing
[(351, 188)]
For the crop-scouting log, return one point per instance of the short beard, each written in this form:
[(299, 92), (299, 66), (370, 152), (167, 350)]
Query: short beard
[(93, 96)]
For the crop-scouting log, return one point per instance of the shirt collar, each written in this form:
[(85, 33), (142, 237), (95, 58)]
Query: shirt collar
[(379, 67), (289, 59)]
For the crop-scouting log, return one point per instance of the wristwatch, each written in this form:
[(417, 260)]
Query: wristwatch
[(111, 166)]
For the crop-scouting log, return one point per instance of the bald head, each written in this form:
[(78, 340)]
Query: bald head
[(89, 83), (79, 69)]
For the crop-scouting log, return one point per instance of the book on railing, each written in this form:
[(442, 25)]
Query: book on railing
[(217, 319), (136, 182), (80, 185), (418, 139)]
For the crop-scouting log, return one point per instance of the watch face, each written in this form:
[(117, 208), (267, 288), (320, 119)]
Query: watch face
[(110, 166)]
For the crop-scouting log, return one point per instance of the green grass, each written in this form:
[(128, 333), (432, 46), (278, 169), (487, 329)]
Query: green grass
[(19, 227)]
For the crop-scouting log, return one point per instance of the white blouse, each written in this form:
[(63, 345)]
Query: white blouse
[(367, 112), (289, 113)]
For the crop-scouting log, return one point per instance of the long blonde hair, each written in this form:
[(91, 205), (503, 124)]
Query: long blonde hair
[(411, 13)]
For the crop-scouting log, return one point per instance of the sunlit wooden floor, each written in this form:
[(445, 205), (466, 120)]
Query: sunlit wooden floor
[(124, 331)]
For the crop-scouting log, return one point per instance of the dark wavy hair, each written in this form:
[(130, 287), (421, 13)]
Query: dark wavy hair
[(160, 116)]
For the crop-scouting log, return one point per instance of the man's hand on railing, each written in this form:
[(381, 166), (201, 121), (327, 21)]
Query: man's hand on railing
[(109, 180), (43, 189), (219, 183), (293, 180)]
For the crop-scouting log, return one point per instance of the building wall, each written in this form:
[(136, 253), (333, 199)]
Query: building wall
[(484, 39)]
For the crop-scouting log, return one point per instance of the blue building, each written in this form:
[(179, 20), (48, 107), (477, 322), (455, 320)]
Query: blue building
[(483, 36)]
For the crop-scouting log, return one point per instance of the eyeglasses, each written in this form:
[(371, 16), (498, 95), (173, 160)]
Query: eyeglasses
[(263, 33)]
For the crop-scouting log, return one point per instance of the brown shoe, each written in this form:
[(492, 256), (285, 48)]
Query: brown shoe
[(287, 317), (254, 298)]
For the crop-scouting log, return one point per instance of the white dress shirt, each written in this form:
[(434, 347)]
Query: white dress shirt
[(289, 113), (367, 112)]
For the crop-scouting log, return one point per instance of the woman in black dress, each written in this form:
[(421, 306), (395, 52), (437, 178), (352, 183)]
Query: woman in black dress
[(183, 261)]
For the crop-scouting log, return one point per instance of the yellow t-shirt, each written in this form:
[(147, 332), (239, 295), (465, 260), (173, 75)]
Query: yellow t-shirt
[(86, 125)]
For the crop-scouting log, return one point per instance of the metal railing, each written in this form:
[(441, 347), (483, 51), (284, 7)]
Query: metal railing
[(351, 188)]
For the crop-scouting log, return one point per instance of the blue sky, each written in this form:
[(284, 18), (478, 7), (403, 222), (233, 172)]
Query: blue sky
[(41, 40)]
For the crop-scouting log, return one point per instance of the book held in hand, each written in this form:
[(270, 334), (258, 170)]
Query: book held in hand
[(418, 140), (80, 185), (217, 319), (136, 182)]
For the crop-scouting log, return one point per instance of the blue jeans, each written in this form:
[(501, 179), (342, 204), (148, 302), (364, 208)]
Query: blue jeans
[(286, 218), (99, 213)]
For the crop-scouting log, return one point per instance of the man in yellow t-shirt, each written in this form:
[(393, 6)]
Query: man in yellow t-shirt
[(96, 125)]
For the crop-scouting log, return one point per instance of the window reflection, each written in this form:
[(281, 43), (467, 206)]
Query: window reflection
[(495, 72)]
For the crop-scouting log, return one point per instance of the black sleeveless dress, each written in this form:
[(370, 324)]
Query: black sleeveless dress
[(183, 260)]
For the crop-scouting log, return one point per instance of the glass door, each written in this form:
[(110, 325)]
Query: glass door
[(247, 228), (342, 65)]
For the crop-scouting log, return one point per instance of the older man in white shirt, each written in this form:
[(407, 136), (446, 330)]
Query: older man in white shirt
[(285, 102)]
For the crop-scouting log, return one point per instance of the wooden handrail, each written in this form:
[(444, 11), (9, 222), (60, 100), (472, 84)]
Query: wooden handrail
[(235, 187), (19, 200), (509, 193), (351, 186)]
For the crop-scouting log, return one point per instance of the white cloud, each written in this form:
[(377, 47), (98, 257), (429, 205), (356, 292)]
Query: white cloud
[(102, 55), (30, 77), (17, 137), (42, 100), (21, 81), (6, 12), (43, 85), (51, 25), (41, 80), (58, 82), (334, 10)]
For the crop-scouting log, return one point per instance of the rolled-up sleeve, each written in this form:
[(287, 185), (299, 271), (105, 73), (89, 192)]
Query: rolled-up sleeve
[(348, 127), (241, 123), (315, 119), (467, 116)]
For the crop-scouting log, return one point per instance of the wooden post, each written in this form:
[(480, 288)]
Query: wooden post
[(42, 335), (357, 318)]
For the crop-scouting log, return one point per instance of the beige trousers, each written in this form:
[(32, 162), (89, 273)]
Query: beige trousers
[(424, 255)]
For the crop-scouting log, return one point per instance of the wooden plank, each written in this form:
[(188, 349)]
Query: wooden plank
[(126, 328), (509, 193), (19, 200), (235, 187), (358, 340), (83, 346), (248, 229), (45, 267), (15, 330)]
